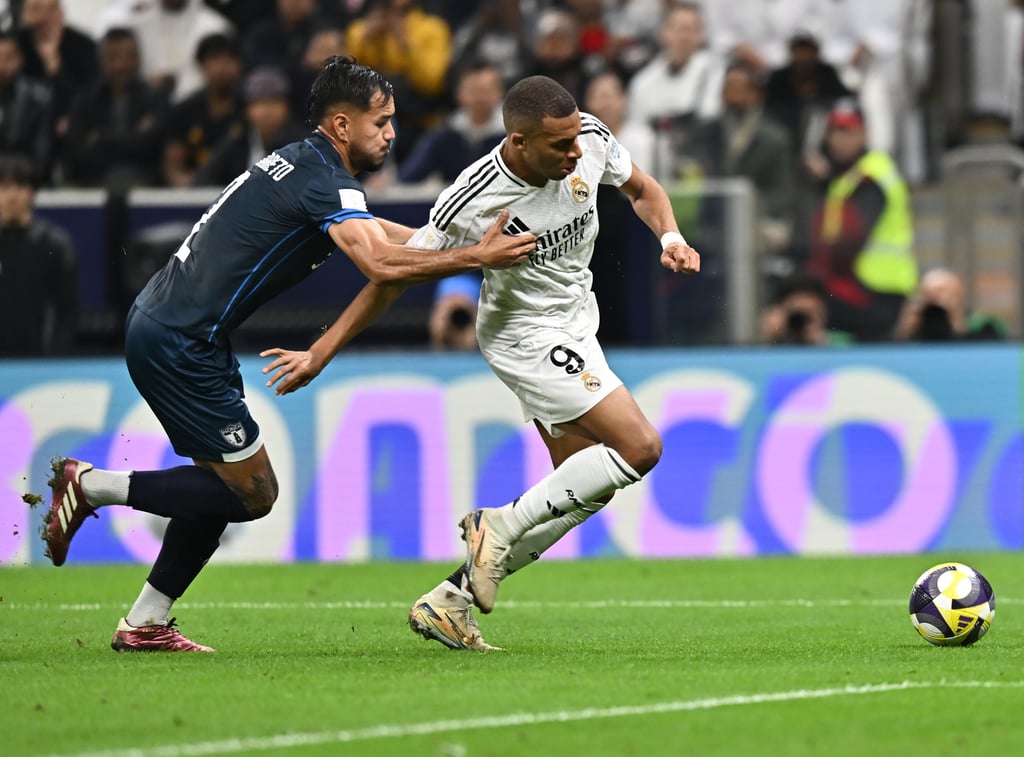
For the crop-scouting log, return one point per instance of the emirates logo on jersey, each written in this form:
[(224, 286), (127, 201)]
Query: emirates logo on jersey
[(580, 190), (561, 240)]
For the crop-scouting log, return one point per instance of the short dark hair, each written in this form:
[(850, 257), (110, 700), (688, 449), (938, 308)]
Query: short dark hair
[(217, 44), (605, 72), (342, 80), (18, 169), (476, 66), (800, 283), (531, 100), (754, 77), (119, 34)]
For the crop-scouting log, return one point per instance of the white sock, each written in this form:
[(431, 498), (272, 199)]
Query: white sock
[(540, 539), (447, 585), (583, 477), (150, 609), (105, 487)]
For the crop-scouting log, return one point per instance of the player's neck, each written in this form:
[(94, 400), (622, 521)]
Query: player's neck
[(512, 160), (339, 148)]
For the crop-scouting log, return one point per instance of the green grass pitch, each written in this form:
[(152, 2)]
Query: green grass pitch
[(780, 656)]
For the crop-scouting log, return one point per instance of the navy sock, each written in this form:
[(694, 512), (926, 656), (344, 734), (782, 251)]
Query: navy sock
[(187, 491), (188, 545), (456, 577)]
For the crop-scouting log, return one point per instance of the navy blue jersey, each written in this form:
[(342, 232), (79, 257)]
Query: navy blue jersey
[(265, 233)]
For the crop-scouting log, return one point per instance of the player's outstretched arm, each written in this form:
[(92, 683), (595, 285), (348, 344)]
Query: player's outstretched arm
[(652, 206), (395, 232), (382, 262), (293, 369)]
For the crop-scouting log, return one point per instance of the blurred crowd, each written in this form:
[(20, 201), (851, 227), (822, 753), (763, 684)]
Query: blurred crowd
[(821, 104)]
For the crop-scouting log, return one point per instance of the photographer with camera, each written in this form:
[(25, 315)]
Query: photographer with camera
[(799, 315), (938, 313), (452, 322)]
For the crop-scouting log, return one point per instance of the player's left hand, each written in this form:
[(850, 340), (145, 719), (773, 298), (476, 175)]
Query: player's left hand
[(681, 258), (294, 369)]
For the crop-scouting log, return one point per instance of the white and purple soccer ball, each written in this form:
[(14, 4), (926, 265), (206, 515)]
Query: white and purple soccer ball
[(952, 604)]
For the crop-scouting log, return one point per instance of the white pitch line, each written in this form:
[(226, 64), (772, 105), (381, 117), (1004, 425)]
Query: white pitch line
[(399, 730), (650, 604)]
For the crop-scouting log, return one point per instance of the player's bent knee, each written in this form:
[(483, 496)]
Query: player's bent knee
[(262, 503), (260, 495), (645, 452), (258, 507)]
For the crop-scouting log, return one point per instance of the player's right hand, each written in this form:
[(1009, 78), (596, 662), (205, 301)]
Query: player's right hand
[(293, 369), (500, 250)]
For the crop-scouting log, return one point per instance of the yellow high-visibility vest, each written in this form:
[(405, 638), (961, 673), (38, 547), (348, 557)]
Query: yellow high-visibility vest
[(886, 264)]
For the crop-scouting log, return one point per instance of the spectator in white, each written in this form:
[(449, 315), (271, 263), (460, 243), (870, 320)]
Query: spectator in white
[(758, 32), (169, 32), (634, 28), (472, 131), (883, 52), (993, 60), (682, 85), (605, 97), (1015, 68)]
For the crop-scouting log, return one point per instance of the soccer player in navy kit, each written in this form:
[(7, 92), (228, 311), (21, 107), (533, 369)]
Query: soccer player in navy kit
[(269, 228)]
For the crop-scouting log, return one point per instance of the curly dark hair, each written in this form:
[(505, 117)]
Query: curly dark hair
[(342, 80)]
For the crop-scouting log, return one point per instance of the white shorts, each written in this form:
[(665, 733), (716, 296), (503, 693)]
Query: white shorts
[(557, 377)]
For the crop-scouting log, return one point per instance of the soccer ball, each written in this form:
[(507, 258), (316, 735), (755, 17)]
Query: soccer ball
[(952, 604)]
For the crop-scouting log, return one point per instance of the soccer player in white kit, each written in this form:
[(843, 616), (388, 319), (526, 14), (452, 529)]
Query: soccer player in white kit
[(537, 328)]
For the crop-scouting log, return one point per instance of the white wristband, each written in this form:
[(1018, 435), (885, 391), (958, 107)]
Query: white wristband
[(671, 237)]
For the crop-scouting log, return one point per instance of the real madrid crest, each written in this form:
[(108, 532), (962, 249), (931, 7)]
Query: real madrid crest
[(580, 190), (591, 382)]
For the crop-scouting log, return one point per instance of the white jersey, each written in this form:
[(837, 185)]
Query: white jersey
[(552, 288)]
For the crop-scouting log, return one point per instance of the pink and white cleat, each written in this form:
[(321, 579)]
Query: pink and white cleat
[(68, 507), (153, 639)]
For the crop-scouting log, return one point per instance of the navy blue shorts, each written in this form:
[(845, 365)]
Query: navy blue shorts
[(194, 388)]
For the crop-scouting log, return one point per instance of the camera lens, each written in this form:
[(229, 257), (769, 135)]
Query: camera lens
[(797, 321), (460, 318), (935, 325)]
